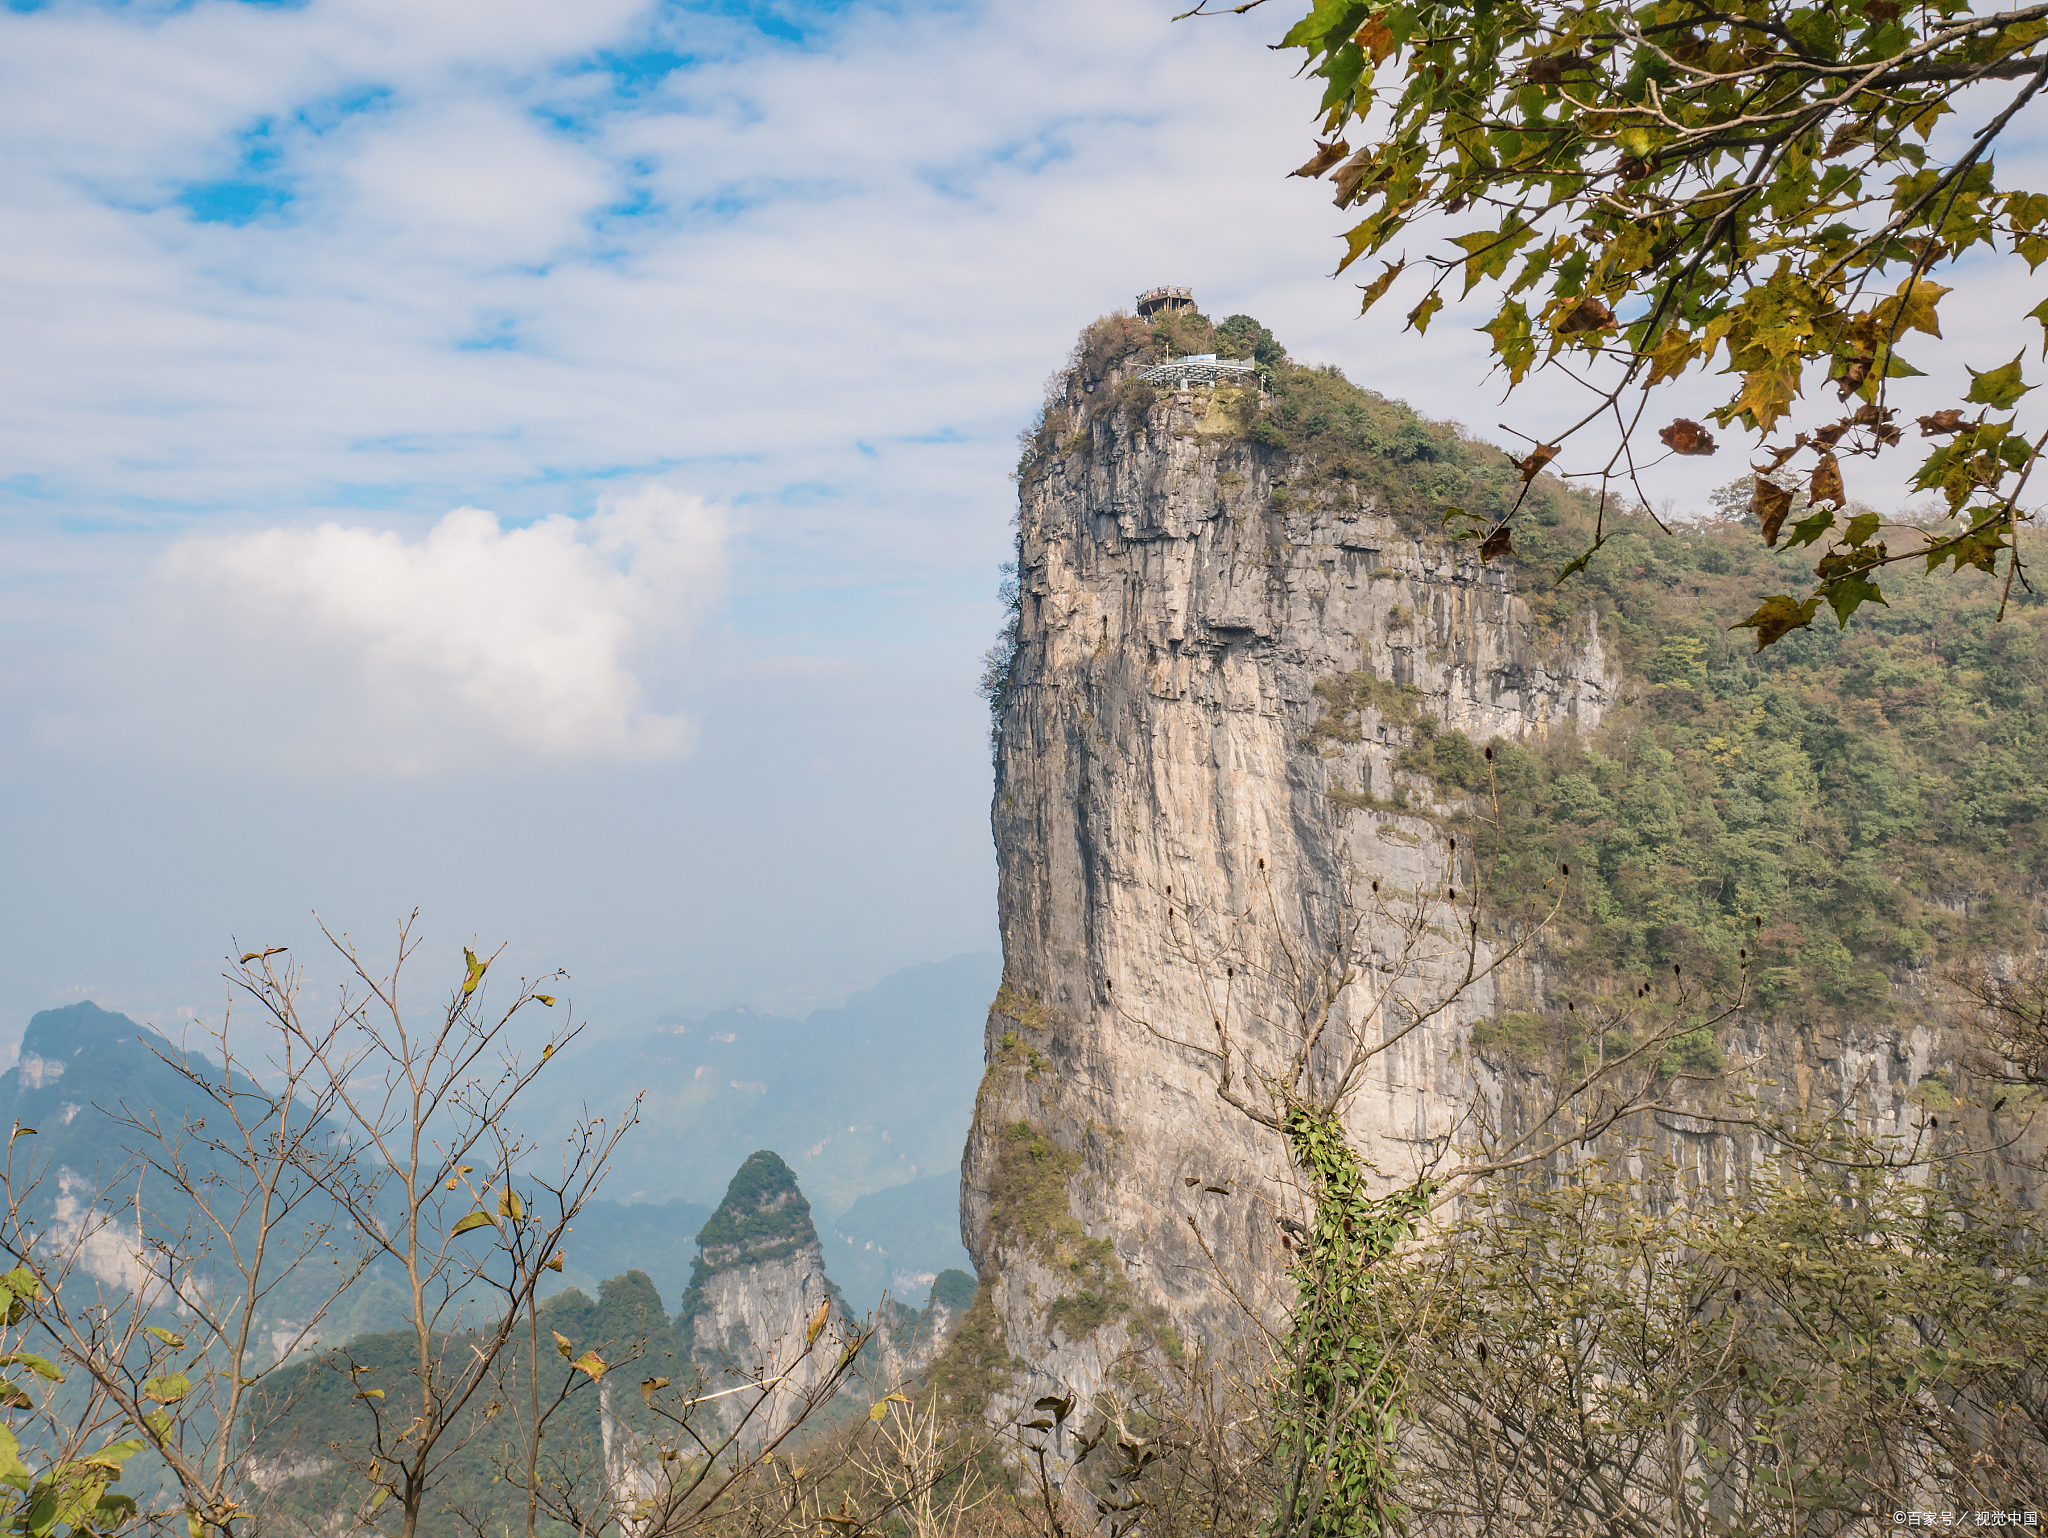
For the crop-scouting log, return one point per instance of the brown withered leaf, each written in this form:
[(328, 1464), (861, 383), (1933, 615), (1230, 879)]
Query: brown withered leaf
[(1377, 288), (1853, 377), (1589, 314), (1497, 542), (1949, 421), (1845, 139), (1326, 155), (1777, 617), (1770, 502), (1539, 456), (1350, 174), (1376, 38), (1685, 436), (1877, 419), (1826, 485), (1779, 456)]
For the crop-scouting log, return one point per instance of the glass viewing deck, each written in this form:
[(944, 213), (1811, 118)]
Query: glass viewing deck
[(1202, 368)]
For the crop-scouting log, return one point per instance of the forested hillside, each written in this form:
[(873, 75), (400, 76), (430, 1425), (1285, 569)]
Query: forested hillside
[(1668, 1256), (1875, 794), (317, 1425)]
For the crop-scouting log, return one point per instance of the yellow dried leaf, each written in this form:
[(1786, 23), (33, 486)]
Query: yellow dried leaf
[(1826, 485)]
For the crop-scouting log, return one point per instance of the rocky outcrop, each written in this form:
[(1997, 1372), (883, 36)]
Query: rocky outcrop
[(910, 1340), (758, 1285), (1225, 644), (1164, 745)]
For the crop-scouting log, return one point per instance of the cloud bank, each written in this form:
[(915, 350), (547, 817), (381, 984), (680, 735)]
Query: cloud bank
[(352, 647)]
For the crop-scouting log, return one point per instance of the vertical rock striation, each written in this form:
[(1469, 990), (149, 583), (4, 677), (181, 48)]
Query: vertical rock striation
[(1234, 621), (910, 1340), (1184, 590)]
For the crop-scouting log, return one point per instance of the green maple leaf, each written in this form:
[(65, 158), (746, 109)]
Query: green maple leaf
[(1777, 617), (1999, 388), (1513, 342), (1847, 594)]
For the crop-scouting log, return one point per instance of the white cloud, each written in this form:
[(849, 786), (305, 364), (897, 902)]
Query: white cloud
[(504, 277), (356, 647), (820, 283), (830, 276), (475, 182)]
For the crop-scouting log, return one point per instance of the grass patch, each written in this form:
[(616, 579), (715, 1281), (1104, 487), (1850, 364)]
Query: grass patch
[(1028, 1204), (1935, 1093), (1348, 696), (1085, 1312), (1024, 1008)]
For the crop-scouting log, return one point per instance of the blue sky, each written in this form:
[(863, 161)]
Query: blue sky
[(546, 464)]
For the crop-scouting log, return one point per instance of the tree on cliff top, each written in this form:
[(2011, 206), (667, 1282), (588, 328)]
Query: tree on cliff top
[(1658, 184)]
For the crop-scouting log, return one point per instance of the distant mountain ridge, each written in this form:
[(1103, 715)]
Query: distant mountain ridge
[(898, 1239), (760, 1326), (81, 1056), (874, 1093), (749, 1290), (868, 1102)]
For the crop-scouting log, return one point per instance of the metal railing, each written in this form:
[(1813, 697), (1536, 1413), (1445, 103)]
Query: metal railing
[(1189, 371)]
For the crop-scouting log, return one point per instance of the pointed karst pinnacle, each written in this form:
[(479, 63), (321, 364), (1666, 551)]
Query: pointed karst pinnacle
[(764, 1216), (759, 1299)]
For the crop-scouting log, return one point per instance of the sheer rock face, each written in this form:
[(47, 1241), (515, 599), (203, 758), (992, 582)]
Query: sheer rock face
[(759, 1281), (910, 1340), (1184, 590)]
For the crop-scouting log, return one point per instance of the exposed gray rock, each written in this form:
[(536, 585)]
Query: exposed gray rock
[(1184, 590), (910, 1340), (1180, 602), (758, 1285)]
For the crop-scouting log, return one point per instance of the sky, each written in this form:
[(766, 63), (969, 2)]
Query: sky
[(545, 465)]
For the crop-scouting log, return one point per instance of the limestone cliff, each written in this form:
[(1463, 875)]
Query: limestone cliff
[(1224, 641), (1184, 588), (758, 1282)]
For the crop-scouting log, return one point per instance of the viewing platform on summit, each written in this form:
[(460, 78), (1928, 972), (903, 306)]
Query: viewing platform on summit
[(1196, 368), (1200, 368), (1165, 301)]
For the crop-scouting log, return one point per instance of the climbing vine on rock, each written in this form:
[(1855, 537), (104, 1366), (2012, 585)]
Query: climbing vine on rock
[(1341, 1407)]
